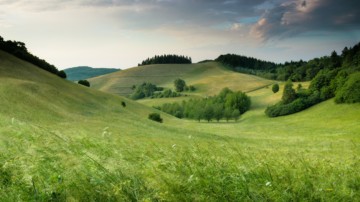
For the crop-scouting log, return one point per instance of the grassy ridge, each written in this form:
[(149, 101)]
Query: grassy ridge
[(74, 143), (209, 78)]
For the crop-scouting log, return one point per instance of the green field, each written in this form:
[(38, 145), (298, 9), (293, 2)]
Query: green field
[(60, 141), (209, 78)]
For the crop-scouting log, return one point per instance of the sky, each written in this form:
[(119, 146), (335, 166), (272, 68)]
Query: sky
[(122, 33)]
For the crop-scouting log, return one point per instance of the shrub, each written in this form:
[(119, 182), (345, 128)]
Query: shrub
[(155, 117), (275, 88), (84, 83), (123, 104)]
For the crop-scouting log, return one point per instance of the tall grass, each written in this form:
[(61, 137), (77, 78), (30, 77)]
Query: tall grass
[(43, 165)]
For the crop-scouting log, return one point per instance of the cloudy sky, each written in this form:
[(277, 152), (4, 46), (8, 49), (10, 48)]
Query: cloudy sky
[(121, 33)]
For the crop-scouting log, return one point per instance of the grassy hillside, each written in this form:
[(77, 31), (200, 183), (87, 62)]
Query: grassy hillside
[(209, 78), (60, 141), (84, 72)]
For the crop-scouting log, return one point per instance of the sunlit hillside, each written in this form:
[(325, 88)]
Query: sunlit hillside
[(209, 78)]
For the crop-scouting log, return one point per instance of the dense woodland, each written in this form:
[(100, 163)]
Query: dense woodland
[(19, 50), (294, 71), (227, 105), (339, 77), (166, 59)]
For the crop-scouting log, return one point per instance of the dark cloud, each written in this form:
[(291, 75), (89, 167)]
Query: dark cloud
[(301, 16)]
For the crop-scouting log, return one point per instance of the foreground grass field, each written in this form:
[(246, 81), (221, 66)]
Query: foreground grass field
[(64, 142)]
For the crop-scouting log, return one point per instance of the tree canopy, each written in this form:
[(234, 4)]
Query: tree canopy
[(167, 59), (19, 50), (227, 105)]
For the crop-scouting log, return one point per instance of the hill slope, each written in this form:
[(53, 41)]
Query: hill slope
[(84, 72), (60, 141), (209, 78)]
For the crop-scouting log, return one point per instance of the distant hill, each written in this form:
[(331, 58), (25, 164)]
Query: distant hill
[(85, 72), (208, 78)]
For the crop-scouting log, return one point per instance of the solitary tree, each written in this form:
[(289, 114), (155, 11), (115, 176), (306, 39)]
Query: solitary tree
[(179, 85), (275, 88)]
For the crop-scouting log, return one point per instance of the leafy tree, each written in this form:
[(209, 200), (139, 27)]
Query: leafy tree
[(238, 100), (144, 90), (84, 83), (289, 93), (236, 114), (18, 49), (218, 112), (228, 114), (62, 74), (215, 107), (179, 85), (350, 91), (155, 117), (208, 112), (275, 88)]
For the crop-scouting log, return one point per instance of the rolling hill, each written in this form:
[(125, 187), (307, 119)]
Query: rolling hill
[(60, 141), (209, 78), (84, 72)]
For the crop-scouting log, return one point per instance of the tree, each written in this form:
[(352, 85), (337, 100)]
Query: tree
[(228, 114), (289, 93), (208, 112), (275, 88), (238, 100), (350, 91), (155, 117), (62, 74), (236, 115), (84, 83), (218, 112), (179, 85)]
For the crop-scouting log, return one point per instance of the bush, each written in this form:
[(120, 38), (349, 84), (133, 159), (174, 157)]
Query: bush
[(155, 117), (123, 104), (275, 88), (84, 83)]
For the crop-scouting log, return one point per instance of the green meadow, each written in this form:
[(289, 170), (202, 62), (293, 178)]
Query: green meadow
[(60, 141)]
